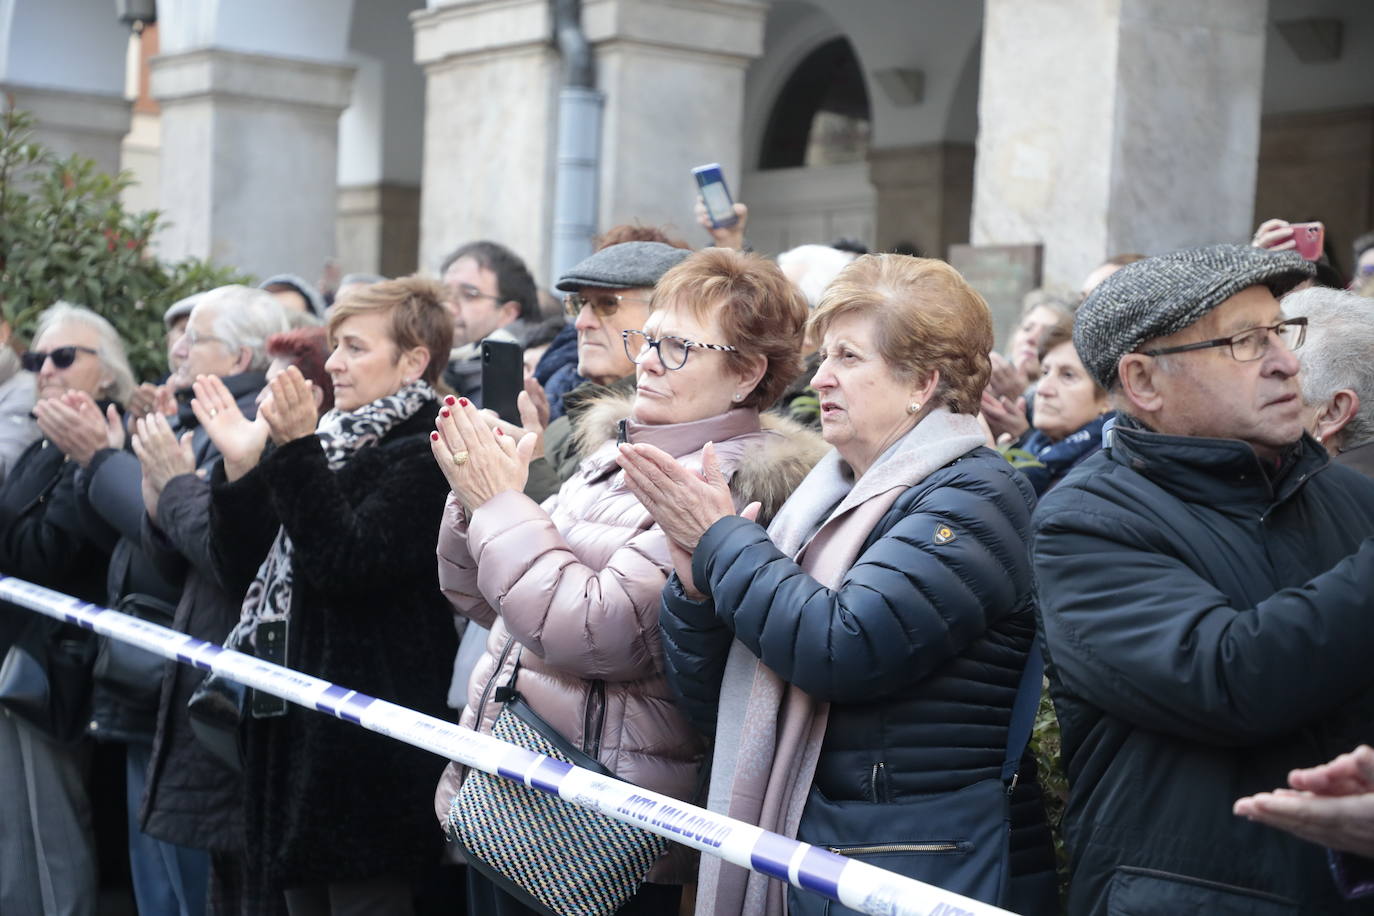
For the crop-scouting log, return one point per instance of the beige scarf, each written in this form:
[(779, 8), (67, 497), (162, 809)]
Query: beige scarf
[(769, 732)]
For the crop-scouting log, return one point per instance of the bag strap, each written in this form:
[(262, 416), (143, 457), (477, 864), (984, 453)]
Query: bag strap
[(1023, 711), (506, 692)]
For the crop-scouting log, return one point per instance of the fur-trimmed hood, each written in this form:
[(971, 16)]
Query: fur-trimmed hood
[(768, 473)]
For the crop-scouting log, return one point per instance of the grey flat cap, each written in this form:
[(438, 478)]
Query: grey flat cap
[(629, 265), (313, 300), (179, 308), (1163, 295)]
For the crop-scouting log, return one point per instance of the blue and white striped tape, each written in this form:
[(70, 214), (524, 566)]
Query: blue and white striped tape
[(855, 884)]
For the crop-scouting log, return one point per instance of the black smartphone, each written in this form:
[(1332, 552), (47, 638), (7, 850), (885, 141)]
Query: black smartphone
[(719, 205), (503, 378), (269, 643)]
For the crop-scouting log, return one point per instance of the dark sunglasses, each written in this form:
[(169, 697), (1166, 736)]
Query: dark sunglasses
[(62, 357)]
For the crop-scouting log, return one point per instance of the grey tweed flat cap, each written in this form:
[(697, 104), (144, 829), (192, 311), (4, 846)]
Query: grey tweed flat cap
[(1163, 295), (629, 265)]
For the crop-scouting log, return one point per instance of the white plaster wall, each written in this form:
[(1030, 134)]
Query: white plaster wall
[(303, 29), (75, 45), (1291, 85), (381, 133)]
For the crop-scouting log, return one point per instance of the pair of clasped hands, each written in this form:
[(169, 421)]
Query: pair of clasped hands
[(482, 457), (287, 410)]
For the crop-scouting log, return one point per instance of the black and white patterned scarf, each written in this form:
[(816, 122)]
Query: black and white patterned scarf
[(341, 434)]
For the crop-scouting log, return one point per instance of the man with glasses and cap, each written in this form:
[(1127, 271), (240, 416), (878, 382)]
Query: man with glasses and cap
[(1205, 586), (607, 293)]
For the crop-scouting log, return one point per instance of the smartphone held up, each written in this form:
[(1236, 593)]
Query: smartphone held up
[(720, 206)]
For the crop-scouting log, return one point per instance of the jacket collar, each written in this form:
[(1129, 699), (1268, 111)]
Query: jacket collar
[(1218, 471), (678, 439)]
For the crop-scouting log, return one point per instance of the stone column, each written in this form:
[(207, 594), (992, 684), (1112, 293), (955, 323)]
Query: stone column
[(249, 158), (378, 230), (68, 122), (490, 103), (924, 195), (1117, 127), (673, 74)]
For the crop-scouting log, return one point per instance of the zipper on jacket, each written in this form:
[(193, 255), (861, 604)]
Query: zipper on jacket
[(878, 790), (496, 673), (879, 848), (594, 720)]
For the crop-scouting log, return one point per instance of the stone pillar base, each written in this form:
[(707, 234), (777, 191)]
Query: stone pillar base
[(84, 123), (250, 158), (924, 196), (378, 229)]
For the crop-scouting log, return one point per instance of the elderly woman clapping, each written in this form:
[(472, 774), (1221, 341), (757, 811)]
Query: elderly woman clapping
[(862, 653), (570, 589)]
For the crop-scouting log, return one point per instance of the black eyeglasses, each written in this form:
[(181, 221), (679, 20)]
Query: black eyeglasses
[(672, 351), (1247, 345), (604, 305), (62, 357)]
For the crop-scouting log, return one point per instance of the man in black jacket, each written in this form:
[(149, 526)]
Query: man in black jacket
[(1204, 584)]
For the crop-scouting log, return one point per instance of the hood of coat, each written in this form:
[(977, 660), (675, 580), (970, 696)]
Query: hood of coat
[(768, 471)]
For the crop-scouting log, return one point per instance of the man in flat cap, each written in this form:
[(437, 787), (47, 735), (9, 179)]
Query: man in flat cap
[(607, 293), (1207, 591)]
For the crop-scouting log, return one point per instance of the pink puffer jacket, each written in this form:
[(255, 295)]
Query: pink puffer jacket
[(573, 588)]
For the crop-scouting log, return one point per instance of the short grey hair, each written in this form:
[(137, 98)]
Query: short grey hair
[(812, 268), (110, 348), (1338, 352), (244, 318)]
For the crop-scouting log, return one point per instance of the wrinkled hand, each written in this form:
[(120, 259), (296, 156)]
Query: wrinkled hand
[(492, 462), (74, 424), (239, 440), (161, 456), (724, 236), (1274, 235), (1331, 805), (290, 412), (1005, 417), (682, 502), (1006, 381), (532, 420), (682, 558)]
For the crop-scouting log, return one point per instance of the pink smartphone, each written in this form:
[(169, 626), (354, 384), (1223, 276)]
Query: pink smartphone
[(1308, 238)]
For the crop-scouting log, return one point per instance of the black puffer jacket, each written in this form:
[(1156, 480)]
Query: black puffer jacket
[(919, 652), (328, 801), (1204, 637), (47, 536)]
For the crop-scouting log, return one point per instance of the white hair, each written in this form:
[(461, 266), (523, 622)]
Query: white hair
[(1338, 352), (244, 317), (812, 268), (109, 348)]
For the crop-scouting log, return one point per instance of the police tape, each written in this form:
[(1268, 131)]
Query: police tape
[(853, 883)]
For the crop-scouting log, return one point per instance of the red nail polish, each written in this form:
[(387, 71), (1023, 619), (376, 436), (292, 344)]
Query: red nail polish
[(463, 401), (499, 432), (433, 437), (450, 400), (444, 412)]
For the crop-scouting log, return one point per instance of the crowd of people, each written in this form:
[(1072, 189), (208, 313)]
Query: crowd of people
[(787, 538)]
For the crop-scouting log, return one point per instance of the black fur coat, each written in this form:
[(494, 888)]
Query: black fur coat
[(326, 800)]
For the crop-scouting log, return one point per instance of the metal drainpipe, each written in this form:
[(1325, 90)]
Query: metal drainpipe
[(579, 143)]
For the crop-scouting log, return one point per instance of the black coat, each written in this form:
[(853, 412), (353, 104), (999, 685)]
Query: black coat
[(919, 652), (47, 536), (1204, 636), (326, 800), (192, 798)]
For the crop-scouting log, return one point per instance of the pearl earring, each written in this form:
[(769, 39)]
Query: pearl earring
[(913, 407), (739, 397)]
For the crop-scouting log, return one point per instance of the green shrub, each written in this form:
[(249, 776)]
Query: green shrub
[(64, 234)]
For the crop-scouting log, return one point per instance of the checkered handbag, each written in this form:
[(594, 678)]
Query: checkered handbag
[(551, 855)]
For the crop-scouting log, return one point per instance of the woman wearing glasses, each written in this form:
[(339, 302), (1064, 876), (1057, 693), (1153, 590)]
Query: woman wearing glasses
[(46, 538), (571, 589), (858, 660)]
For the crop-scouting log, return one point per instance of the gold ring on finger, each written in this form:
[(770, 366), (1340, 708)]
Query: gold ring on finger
[(460, 458)]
